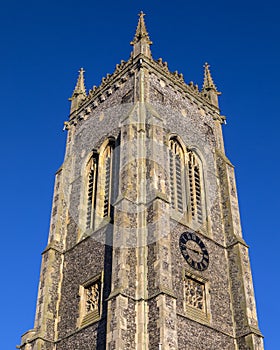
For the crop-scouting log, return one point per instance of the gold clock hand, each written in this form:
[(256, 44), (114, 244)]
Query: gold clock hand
[(195, 251)]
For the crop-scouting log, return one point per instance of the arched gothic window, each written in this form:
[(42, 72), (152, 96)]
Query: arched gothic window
[(177, 175), (91, 190), (99, 184), (186, 182), (195, 181), (105, 181)]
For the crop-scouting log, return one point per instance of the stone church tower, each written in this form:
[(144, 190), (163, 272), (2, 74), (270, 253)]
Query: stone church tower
[(145, 248)]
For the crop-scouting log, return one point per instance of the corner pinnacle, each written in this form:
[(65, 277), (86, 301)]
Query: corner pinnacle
[(79, 93), (208, 82), (80, 86), (141, 42), (209, 89), (141, 31)]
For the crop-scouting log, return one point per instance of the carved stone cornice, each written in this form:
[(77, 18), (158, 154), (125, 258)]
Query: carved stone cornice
[(97, 95), (161, 69), (126, 69)]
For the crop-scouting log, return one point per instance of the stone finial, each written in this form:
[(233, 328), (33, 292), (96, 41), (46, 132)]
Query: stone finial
[(209, 89), (80, 86), (208, 82), (141, 42), (141, 31), (79, 93)]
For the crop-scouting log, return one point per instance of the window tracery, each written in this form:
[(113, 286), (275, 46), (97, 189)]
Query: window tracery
[(177, 174), (91, 188), (186, 182), (195, 294), (195, 188), (90, 301), (105, 181), (98, 186), (93, 298)]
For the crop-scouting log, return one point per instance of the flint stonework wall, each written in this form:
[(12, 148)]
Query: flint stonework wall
[(194, 336), (219, 300), (196, 129), (82, 340), (83, 262)]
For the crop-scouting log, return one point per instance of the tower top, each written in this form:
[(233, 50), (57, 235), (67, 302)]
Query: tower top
[(141, 42)]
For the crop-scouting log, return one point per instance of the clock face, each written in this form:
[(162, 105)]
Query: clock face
[(194, 251)]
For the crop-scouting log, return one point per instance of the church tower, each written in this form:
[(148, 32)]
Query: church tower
[(145, 248)]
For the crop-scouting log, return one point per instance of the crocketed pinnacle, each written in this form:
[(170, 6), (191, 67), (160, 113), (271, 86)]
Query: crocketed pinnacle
[(80, 86), (79, 93), (208, 82), (209, 89), (141, 42), (141, 31)]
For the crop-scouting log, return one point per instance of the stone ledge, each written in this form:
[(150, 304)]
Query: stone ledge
[(251, 330), (237, 240), (53, 246), (35, 337), (161, 290), (206, 325), (224, 157)]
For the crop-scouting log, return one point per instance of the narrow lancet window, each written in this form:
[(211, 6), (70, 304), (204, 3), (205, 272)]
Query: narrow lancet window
[(195, 187), (98, 187), (91, 185), (106, 181), (177, 174)]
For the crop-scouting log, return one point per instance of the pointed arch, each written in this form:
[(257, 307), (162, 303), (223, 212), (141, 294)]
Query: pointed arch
[(196, 198), (98, 173), (91, 181), (104, 183), (177, 175), (187, 188)]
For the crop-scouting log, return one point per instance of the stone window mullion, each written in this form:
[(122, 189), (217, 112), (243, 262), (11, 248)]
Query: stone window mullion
[(176, 171), (107, 183), (91, 182), (195, 188), (172, 179)]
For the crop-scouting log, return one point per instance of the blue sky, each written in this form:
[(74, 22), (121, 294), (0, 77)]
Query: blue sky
[(43, 44)]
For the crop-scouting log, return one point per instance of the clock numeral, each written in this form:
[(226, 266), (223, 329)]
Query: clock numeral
[(183, 239), (188, 236), (194, 264), (206, 257), (204, 264)]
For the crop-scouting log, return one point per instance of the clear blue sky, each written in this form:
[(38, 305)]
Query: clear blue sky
[(44, 43)]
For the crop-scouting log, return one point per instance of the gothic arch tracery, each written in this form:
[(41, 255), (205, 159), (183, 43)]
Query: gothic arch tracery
[(186, 181), (98, 184)]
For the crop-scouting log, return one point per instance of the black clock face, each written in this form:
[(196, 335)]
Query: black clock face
[(194, 251)]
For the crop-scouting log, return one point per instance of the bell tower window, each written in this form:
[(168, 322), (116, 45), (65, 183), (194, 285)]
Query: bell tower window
[(105, 181), (91, 188), (177, 175), (196, 206)]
